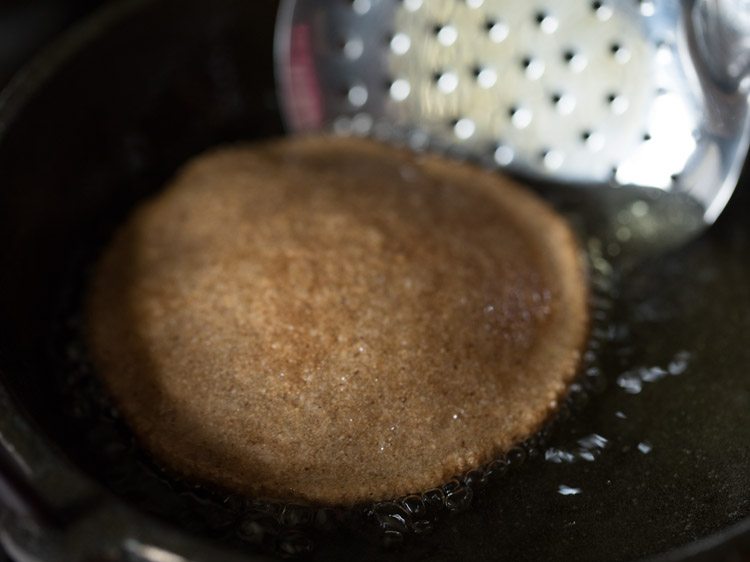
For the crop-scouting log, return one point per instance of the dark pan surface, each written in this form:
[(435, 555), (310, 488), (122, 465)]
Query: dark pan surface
[(168, 78)]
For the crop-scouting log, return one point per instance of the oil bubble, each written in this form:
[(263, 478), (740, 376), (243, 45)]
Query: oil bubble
[(459, 499), (645, 447), (391, 517), (414, 506), (294, 544)]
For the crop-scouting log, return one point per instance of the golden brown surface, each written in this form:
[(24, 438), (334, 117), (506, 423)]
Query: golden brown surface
[(335, 320)]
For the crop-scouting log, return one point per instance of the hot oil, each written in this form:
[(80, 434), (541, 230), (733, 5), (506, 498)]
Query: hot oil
[(657, 423), (288, 530)]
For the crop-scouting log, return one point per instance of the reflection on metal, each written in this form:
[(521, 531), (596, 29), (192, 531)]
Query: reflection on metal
[(608, 94)]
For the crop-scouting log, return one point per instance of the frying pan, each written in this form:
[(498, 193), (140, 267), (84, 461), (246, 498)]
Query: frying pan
[(106, 115)]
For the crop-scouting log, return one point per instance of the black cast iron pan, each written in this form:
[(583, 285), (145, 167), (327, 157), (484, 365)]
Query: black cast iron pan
[(106, 115)]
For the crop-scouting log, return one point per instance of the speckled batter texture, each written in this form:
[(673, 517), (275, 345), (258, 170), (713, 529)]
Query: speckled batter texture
[(336, 321)]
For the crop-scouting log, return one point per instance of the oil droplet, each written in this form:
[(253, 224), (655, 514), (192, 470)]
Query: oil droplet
[(589, 449), (558, 456), (652, 374), (679, 364), (593, 441), (630, 383), (564, 490)]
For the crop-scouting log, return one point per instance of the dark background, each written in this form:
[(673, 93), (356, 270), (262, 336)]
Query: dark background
[(26, 26)]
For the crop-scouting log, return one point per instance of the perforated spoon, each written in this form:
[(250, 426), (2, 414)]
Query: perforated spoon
[(645, 103)]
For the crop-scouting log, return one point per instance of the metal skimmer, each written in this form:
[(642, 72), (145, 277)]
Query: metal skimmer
[(607, 93)]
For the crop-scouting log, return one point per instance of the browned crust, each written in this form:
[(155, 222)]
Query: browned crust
[(189, 305)]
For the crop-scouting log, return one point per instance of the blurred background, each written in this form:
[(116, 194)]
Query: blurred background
[(27, 25)]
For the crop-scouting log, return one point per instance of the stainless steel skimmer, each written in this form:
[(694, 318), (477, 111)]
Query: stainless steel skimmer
[(644, 102)]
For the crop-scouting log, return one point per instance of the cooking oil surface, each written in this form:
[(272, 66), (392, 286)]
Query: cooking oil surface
[(653, 426)]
